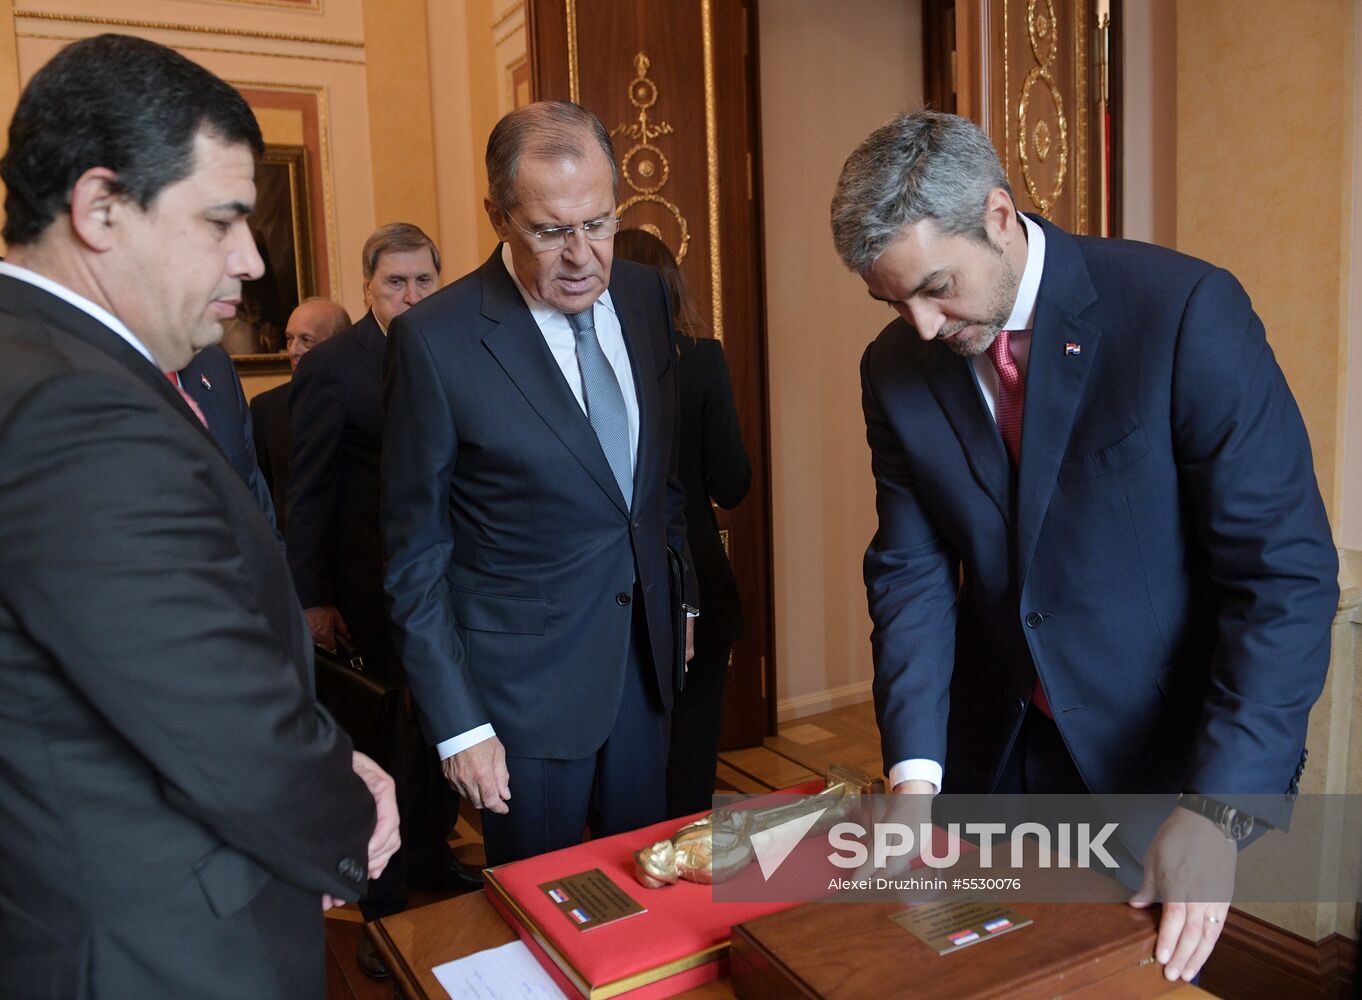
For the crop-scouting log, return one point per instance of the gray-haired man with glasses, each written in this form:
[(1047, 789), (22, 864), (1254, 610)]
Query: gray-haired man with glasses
[(530, 497)]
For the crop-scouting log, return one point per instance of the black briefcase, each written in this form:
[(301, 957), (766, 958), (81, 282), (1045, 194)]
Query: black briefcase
[(364, 706)]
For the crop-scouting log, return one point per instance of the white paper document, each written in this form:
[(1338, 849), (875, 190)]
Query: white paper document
[(506, 973)]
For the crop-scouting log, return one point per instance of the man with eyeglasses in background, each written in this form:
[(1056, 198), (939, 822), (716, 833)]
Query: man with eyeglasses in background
[(530, 496)]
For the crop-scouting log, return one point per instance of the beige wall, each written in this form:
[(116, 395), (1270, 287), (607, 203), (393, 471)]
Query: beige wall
[(402, 146), (1267, 180), (1348, 521), (1264, 146), (1149, 122), (825, 83), (456, 174)]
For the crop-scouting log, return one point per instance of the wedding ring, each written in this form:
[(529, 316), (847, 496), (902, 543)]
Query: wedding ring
[(1212, 920)]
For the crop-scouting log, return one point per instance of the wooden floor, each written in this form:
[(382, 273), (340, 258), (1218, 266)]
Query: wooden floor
[(800, 752)]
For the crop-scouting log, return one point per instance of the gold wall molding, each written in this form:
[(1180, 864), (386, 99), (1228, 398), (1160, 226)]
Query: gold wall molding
[(1042, 30), (311, 7), (196, 29), (194, 47), (574, 85), (507, 14), (645, 167), (712, 171)]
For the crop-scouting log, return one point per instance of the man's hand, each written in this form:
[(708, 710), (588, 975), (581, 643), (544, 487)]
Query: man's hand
[(479, 774), (385, 840), (324, 622), (690, 639), (1190, 858)]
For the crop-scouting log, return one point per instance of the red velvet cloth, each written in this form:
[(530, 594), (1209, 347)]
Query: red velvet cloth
[(681, 919)]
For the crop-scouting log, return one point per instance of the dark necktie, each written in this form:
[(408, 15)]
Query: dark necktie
[(604, 402), (1011, 399)]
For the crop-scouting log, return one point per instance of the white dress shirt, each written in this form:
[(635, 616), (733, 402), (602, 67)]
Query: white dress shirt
[(79, 301), (1019, 323), (562, 344)]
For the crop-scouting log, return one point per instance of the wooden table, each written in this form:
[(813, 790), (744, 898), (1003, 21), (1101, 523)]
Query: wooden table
[(414, 942)]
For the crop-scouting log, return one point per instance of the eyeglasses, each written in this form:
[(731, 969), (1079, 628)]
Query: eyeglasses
[(544, 240)]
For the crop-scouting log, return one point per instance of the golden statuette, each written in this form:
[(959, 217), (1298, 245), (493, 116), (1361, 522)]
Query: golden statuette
[(717, 846)]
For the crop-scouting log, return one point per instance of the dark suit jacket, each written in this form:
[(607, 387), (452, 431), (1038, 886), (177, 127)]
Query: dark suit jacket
[(1162, 559), (332, 532), (212, 382), (269, 419), (157, 721), (713, 466), (511, 556)]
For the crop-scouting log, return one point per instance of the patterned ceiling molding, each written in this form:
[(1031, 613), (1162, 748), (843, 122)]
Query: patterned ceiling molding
[(507, 14), (196, 29)]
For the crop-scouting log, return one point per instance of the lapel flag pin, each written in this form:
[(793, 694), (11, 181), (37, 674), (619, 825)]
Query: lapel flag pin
[(1072, 350), (203, 379)]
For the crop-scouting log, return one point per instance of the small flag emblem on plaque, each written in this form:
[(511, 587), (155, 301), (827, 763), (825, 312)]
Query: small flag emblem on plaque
[(579, 915), (1071, 349), (558, 895), (1000, 924), (964, 937)]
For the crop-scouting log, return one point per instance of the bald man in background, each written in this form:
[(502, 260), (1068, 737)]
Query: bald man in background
[(315, 321)]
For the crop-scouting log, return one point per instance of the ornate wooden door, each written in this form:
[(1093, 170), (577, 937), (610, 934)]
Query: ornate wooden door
[(1028, 72), (675, 82)]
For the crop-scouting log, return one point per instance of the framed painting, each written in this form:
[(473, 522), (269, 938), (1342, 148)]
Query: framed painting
[(282, 229)]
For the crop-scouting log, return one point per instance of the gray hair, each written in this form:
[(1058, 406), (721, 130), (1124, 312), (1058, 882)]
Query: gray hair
[(918, 165), (548, 130), (397, 236)]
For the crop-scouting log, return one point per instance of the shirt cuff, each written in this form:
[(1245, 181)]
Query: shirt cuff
[(456, 744), (916, 769)]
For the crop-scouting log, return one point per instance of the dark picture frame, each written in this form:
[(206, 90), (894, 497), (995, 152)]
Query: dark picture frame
[(282, 229)]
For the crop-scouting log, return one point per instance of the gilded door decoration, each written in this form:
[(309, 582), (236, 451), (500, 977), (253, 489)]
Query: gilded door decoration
[(644, 166), (1043, 31)]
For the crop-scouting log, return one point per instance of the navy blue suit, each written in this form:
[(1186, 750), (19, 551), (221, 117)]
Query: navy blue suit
[(1162, 558), (515, 570), (212, 382)]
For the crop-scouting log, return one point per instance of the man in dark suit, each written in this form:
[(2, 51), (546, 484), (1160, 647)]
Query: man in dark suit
[(212, 382), (334, 546), (336, 422), (1102, 563), (157, 721), (314, 322), (530, 496)]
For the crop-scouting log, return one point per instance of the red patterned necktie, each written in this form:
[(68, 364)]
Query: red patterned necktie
[(1009, 404), (175, 381), (1011, 394)]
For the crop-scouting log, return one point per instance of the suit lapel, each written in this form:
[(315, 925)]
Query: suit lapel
[(374, 344), (26, 301), (1055, 380), (957, 390), (515, 341)]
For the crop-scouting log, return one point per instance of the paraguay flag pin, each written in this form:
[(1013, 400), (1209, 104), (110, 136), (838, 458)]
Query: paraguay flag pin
[(203, 379), (1072, 350)]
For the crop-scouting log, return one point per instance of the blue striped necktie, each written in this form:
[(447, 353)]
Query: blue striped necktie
[(604, 402)]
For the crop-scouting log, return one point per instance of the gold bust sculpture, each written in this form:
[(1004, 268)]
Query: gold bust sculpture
[(718, 845)]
